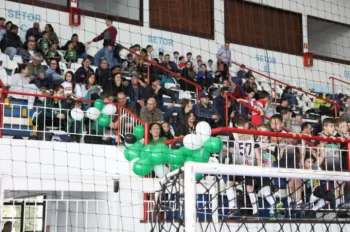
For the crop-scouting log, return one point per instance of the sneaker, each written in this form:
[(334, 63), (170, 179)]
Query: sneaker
[(234, 213)]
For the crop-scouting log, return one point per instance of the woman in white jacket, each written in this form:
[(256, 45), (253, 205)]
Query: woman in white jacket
[(70, 87), (21, 82)]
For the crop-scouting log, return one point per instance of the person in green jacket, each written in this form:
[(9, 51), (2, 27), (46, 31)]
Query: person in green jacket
[(44, 43), (71, 54), (52, 53)]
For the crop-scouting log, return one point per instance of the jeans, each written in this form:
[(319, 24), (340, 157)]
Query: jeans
[(11, 52), (292, 99), (83, 55), (168, 112), (104, 53), (41, 82)]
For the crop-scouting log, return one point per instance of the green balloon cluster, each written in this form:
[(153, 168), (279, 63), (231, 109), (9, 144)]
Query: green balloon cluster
[(149, 156)]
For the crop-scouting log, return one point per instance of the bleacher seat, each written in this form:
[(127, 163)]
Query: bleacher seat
[(75, 66), (18, 59), (3, 76), (10, 65), (80, 60)]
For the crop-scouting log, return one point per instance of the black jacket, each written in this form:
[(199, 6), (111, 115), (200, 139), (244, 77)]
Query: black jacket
[(150, 92), (81, 74), (103, 78), (10, 40), (80, 48)]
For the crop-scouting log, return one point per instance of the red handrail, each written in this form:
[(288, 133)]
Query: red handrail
[(283, 83), (198, 88), (333, 91), (2, 97), (5, 91)]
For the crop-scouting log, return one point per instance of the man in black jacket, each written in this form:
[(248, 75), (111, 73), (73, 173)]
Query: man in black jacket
[(11, 42), (79, 47), (155, 90), (136, 93), (220, 106), (104, 75)]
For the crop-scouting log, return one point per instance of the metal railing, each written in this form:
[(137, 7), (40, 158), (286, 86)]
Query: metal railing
[(333, 92)]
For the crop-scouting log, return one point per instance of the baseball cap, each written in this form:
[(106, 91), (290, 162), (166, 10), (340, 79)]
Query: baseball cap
[(203, 94)]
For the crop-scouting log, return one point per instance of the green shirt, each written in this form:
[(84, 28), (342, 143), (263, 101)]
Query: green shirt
[(44, 44), (51, 53), (158, 141), (71, 55)]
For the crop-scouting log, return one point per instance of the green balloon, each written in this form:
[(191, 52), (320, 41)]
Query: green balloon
[(188, 158), (186, 151), (138, 146), (174, 167), (146, 151), (99, 104), (201, 156), (142, 167), (159, 154), (175, 157), (213, 145), (131, 154), (198, 176), (139, 132), (104, 120)]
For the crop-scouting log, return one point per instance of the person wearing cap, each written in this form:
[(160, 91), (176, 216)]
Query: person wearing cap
[(204, 111), (150, 113), (136, 93), (236, 89), (36, 72), (155, 90)]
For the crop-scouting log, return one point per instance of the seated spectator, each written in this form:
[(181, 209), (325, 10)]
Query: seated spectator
[(116, 69), (189, 57), (70, 87), (141, 66), (168, 131), (2, 24), (156, 91), (3, 27), (156, 134), (52, 34), (44, 43), (150, 113), (123, 101), (249, 100), (197, 66), (103, 74), (149, 49), (55, 113), (176, 59), (188, 126), (53, 74), (167, 81), (34, 31), (188, 73), (225, 83), (204, 78), (78, 46), (117, 85), (20, 82), (286, 118), (186, 108), (161, 57), (11, 42), (128, 64), (259, 108), (237, 90), (283, 105), (292, 99), (211, 67), (136, 93), (37, 72), (220, 106), (71, 55), (170, 65), (83, 72), (204, 111), (28, 53), (52, 53), (249, 82), (222, 71), (182, 63), (346, 113), (90, 87), (30, 38)]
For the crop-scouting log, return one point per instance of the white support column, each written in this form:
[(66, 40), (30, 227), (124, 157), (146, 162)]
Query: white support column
[(190, 198), (1, 199)]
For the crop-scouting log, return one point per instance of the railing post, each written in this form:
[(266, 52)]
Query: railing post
[(226, 99), (197, 95), (335, 105), (275, 90), (148, 72), (118, 125), (146, 134)]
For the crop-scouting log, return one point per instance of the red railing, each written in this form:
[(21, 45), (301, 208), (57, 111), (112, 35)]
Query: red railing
[(119, 107), (283, 83), (198, 88), (333, 91)]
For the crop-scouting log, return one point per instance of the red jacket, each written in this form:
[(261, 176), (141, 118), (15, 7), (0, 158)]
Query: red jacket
[(108, 36)]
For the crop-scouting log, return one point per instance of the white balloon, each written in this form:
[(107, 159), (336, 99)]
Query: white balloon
[(203, 130), (93, 113), (161, 170), (109, 109), (77, 114), (192, 142)]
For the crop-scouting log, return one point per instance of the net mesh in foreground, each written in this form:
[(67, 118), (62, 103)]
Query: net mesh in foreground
[(220, 199)]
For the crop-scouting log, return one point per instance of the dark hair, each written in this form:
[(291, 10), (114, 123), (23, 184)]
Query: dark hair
[(198, 56), (167, 55), (8, 223), (277, 117), (109, 18), (264, 94), (250, 90), (149, 46), (283, 112), (210, 60), (184, 102), (150, 128), (57, 88), (308, 155), (223, 89), (20, 68), (87, 79), (69, 42), (240, 121), (181, 57), (58, 70), (161, 53), (105, 95), (137, 46), (189, 53), (74, 35), (328, 121), (13, 27), (305, 125), (168, 134), (187, 118), (52, 43), (144, 50), (176, 52), (339, 121), (203, 64), (73, 79), (45, 32), (7, 23), (50, 27), (85, 59), (283, 99)]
